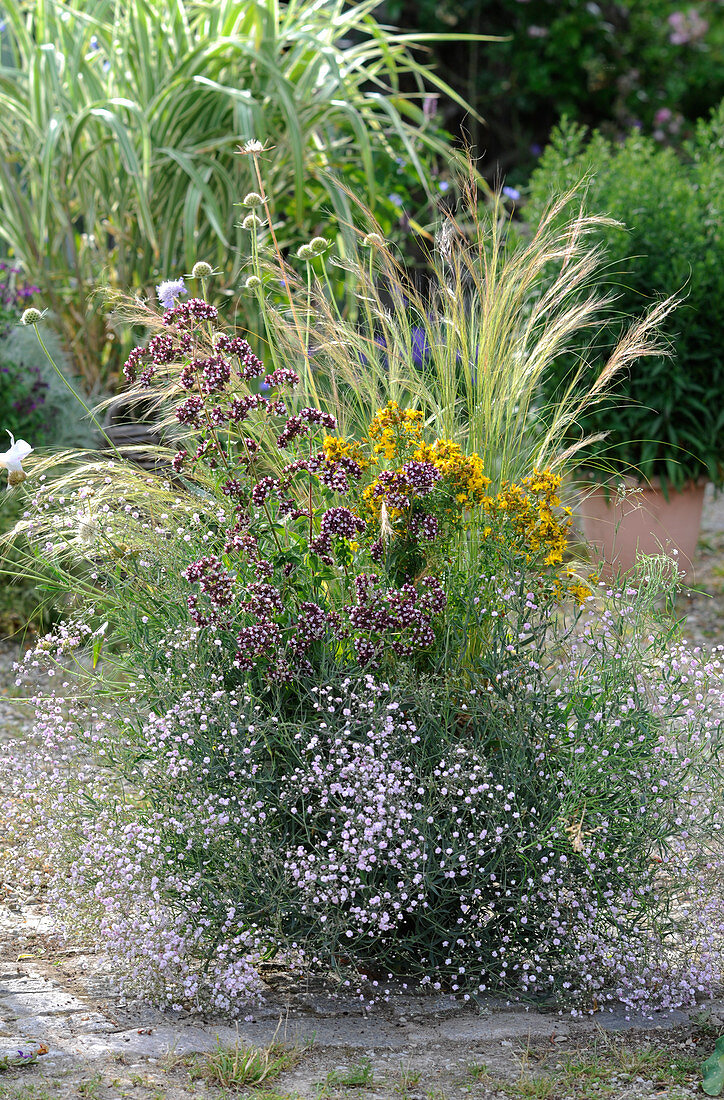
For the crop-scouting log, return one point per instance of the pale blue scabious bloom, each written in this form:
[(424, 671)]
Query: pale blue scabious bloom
[(169, 291), (511, 193)]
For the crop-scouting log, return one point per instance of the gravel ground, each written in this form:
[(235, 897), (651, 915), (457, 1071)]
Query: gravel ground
[(61, 1002)]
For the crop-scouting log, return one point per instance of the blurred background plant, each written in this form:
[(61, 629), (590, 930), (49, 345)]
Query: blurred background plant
[(121, 122), (35, 405), (657, 65), (663, 419)]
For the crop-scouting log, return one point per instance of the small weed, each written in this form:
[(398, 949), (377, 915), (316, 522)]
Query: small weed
[(359, 1075), (271, 1094), (478, 1070), (24, 1092), (407, 1078), (91, 1087), (599, 1073), (240, 1066)]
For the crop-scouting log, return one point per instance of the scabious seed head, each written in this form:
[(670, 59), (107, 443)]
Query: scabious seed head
[(31, 316), (319, 245), (373, 240), (201, 270), (252, 282), (304, 252), (252, 199), (252, 146), (251, 222)]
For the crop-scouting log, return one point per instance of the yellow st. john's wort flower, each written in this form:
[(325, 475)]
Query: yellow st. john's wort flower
[(335, 447), (462, 473), (530, 518), (395, 431)]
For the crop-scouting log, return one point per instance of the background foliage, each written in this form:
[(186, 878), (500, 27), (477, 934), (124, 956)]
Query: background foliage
[(664, 418), (657, 64)]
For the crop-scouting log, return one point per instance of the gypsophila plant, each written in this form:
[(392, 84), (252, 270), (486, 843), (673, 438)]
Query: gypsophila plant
[(548, 830)]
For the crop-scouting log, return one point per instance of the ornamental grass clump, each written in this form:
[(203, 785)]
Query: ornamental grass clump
[(471, 345), (341, 700)]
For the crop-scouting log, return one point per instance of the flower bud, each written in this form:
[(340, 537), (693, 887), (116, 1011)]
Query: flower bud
[(31, 316), (252, 199), (201, 270)]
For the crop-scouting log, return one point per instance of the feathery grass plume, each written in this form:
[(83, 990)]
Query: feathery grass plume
[(471, 348)]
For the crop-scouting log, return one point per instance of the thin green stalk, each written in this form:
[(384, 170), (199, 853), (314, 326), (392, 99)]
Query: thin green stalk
[(77, 396)]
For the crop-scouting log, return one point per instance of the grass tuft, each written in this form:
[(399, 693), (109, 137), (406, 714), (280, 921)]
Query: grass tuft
[(242, 1066)]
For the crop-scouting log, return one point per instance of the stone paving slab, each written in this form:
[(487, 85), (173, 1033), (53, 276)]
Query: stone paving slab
[(36, 1007)]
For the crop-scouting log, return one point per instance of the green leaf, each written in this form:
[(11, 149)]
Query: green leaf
[(713, 1070)]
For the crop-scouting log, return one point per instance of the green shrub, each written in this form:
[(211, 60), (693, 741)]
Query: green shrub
[(121, 124), (664, 418)]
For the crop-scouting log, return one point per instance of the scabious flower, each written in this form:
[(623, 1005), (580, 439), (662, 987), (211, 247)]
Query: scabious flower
[(12, 460), (168, 291)]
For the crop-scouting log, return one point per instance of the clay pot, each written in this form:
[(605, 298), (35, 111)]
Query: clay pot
[(642, 521)]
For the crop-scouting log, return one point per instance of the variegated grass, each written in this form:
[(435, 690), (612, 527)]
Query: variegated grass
[(120, 125)]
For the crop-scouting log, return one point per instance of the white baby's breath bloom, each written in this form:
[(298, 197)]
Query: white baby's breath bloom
[(12, 460), (252, 199)]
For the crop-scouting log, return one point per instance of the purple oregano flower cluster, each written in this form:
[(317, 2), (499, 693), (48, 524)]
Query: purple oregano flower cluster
[(254, 587)]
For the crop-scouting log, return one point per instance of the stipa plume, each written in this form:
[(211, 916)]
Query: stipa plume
[(472, 345)]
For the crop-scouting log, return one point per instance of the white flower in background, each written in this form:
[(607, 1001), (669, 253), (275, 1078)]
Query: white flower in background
[(12, 460)]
